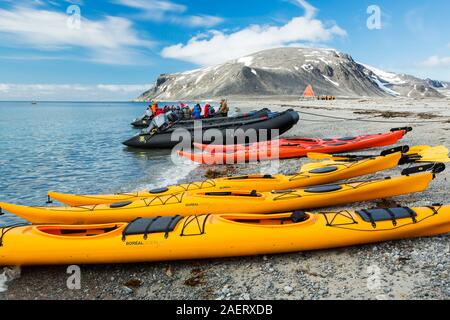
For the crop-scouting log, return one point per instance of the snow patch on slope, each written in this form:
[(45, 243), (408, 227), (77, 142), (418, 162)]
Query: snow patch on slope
[(389, 77), (325, 61), (333, 82), (247, 61), (308, 67), (199, 78), (193, 71), (384, 88)]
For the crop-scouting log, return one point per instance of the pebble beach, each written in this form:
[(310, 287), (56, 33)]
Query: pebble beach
[(407, 269)]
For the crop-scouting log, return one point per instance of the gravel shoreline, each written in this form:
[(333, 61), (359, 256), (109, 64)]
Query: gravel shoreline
[(408, 269)]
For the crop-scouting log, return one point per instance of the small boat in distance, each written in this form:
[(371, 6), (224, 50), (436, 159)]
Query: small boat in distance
[(33, 102)]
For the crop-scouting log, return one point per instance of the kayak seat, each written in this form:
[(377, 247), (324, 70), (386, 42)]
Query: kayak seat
[(347, 138), (151, 225), (159, 190), (324, 169), (298, 216), (372, 215), (323, 189), (120, 204)]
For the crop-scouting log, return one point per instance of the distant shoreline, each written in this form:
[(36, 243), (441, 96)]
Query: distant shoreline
[(68, 101)]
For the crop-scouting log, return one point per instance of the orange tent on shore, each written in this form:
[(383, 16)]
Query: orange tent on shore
[(309, 92)]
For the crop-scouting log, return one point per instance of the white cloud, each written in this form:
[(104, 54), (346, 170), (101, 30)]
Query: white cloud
[(220, 46), (310, 11), (109, 40), (197, 21), (4, 87), (124, 87), (436, 61), (71, 92), (153, 6), (169, 12)]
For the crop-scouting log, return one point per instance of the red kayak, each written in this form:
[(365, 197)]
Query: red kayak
[(291, 148)]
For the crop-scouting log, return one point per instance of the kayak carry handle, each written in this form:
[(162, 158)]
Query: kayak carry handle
[(49, 200), (407, 129), (402, 149), (433, 167), (439, 167)]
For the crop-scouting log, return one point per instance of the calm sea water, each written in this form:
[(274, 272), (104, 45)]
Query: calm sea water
[(74, 147)]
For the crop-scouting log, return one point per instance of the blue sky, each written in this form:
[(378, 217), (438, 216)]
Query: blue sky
[(114, 49)]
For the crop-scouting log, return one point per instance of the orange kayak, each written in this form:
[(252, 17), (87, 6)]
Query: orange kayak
[(290, 148)]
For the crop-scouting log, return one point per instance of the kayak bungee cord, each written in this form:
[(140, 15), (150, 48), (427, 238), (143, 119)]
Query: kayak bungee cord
[(196, 184), (347, 214), (335, 188), (289, 194), (345, 164), (201, 226), (11, 227)]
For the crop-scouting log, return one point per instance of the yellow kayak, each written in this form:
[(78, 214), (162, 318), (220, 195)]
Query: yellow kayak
[(214, 236), (309, 175), (245, 201)]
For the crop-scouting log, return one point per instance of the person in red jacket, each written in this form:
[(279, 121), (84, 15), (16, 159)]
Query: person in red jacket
[(206, 112)]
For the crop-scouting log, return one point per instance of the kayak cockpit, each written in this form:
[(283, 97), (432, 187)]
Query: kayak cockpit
[(78, 231)]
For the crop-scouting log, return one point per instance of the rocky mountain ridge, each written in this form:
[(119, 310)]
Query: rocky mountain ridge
[(287, 71)]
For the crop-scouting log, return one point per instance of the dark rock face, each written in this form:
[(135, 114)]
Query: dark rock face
[(435, 83), (287, 71)]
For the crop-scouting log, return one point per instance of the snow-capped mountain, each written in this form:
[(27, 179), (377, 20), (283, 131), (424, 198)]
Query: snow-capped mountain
[(287, 71), (405, 85)]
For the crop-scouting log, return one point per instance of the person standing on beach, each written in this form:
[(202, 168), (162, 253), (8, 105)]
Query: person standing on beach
[(223, 110)]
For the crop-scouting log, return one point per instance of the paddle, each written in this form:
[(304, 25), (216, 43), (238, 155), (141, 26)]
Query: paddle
[(351, 157), (409, 155)]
